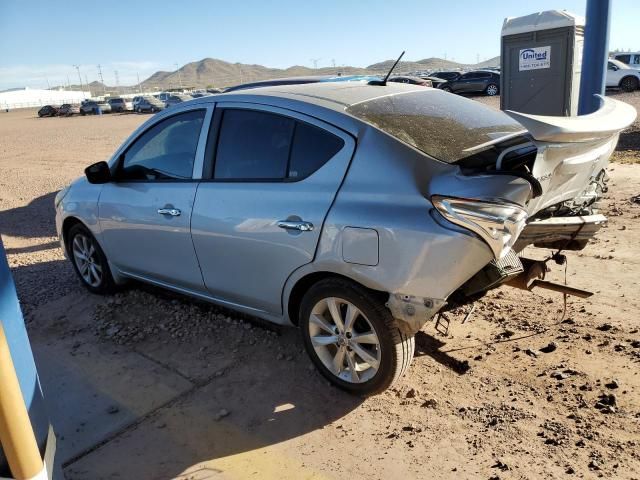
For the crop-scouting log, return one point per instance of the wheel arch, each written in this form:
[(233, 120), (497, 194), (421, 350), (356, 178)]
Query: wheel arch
[(67, 224), (635, 79), (304, 283)]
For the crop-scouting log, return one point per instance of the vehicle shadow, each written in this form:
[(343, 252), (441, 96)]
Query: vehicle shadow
[(629, 141), (431, 346), (37, 219), (213, 400)]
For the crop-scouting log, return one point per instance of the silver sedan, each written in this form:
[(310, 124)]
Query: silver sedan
[(355, 212)]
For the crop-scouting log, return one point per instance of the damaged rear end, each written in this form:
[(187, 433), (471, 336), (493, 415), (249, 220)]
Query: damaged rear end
[(507, 180), (564, 159)]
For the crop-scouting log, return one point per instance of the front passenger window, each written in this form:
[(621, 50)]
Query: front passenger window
[(166, 151)]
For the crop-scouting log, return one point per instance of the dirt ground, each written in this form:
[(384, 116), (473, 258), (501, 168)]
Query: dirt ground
[(150, 385)]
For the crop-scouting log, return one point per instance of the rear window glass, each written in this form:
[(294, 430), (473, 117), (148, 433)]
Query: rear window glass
[(446, 127), (312, 148)]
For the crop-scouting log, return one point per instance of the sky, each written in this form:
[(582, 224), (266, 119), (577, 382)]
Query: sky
[(42, 40)]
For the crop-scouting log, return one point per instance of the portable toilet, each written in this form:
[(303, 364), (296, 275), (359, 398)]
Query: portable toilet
[(541, 61)]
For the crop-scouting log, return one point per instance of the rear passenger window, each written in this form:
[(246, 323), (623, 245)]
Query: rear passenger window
[(256, 145), (253, 145), (312, 148)]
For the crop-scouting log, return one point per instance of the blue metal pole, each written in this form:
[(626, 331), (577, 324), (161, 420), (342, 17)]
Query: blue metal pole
[(594, 56)]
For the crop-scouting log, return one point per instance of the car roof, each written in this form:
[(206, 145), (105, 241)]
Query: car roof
[(334, 95)]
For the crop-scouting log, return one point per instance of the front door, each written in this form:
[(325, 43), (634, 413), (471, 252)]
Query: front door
[(260, 215), (145, 213)]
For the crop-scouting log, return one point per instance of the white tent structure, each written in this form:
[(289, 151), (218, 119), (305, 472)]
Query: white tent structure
[(27, 97)]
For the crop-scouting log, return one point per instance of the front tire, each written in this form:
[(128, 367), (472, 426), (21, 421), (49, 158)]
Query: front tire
[(492, 90), (352, 338), (629, 84), (89, 261), (446, 89)]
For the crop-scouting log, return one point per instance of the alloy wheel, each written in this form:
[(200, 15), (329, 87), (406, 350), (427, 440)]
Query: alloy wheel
[(344, 340), (87, 260), (492, 90)]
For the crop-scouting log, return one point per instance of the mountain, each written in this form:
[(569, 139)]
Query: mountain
[(492, 62), (211, 72)]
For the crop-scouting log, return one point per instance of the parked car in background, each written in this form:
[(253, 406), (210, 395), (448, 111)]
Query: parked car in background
[(48, 111), (175, 99), (411, 80), (403, 208), (120, 105), (94, 107), (278, 81), (163, 96), (304, 80), (68, 110), (630, 58), (620, 75), (446, 75), (479, 81), (148, 104), (436, 82)]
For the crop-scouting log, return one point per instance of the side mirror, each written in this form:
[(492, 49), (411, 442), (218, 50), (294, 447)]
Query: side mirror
[(98, 173)]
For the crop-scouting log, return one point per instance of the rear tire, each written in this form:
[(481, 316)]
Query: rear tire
[(492, 90), (629, 84), (89, 261), (369, 353), (446, 89)]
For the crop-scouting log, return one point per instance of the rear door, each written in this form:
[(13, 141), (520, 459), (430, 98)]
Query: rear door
[(272, 177), (145, 213), (464, 83)]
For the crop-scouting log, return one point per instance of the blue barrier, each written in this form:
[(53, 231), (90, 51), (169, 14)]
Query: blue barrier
[(15, 330)]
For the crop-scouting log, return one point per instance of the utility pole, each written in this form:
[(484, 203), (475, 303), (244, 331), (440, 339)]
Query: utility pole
[(117, 80), (315, 62), (477, 58), (594, 58), (68, 83), (138, 75), (104, 87), (77, 67), (48, 86), (179, 75)]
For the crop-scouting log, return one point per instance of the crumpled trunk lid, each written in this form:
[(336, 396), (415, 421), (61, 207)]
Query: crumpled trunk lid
[(573, 151)]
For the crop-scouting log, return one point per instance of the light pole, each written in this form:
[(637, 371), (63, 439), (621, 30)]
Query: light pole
[(179, 75), (594, 55), (77, 67)]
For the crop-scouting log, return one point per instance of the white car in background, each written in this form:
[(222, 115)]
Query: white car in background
[(620, 75), (630, 58)]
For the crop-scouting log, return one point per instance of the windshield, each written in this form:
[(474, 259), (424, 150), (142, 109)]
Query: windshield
[(444, 126), (619, 64)]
